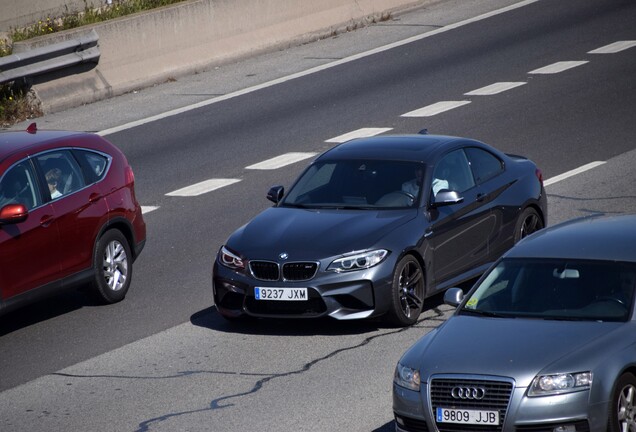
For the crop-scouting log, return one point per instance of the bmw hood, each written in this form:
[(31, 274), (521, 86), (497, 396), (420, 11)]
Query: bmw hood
[(314, 233), (516, 348)]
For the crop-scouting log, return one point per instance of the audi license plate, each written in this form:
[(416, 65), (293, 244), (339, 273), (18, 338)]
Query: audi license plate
[(281, 294), (464, 416)]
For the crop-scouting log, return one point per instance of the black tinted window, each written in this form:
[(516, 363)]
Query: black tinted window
[(95, 165), (485, 165)]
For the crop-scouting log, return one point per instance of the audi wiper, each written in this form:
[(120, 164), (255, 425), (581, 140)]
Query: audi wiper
[(486, 313)]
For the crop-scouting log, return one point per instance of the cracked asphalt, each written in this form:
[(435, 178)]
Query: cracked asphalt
[(205, 388)]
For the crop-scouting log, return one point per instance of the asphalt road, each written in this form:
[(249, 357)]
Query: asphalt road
[(164, 359)]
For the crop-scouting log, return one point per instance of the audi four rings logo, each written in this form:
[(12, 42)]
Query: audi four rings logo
[(476, 393)]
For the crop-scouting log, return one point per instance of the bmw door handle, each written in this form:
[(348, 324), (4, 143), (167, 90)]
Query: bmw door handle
[(481, 197)]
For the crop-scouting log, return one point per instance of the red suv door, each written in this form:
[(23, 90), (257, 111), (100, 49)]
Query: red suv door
[(80, 211), (29, 250)]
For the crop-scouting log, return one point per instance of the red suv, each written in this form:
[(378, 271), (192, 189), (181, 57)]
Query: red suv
[(68, 216)]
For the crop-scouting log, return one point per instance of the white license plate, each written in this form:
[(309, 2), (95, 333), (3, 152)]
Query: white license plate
[(463, 416), (281, 294)]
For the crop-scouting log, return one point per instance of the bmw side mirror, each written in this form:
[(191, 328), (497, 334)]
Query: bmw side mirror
[(13, 213), (275, 194), (453, 296), (447, 197)]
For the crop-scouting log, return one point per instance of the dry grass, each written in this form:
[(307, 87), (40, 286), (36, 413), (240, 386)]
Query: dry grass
[(18, 103)]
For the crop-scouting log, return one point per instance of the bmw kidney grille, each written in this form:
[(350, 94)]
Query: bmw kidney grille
[(293, 271)]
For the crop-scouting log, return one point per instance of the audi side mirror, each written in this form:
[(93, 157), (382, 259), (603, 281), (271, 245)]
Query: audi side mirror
[(275, 194), (453, 296)]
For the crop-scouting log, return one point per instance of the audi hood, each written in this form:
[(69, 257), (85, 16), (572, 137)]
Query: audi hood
[(515, 348)]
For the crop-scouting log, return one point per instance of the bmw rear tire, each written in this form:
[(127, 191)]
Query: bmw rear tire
[(529, 222)]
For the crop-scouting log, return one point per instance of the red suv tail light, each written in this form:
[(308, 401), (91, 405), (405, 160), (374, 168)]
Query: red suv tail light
[(130, 175)]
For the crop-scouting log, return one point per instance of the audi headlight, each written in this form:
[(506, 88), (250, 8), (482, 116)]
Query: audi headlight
[(546, 385), (231, 260), (407, 377), (358, 261)]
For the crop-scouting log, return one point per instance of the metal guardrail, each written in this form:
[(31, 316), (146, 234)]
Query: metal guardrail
[(50, 58)]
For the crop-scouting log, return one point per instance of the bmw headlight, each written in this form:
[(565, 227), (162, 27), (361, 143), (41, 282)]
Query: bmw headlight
[(231, 260), (546, 385), (358, 261), (407, 377)]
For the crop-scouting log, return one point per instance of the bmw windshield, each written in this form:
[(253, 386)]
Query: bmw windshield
[(357, 184), (555, 289)]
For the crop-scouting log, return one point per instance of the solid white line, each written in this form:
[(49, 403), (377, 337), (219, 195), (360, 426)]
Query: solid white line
[(415, 38), (573, 172), (436, 108), (495, 88), (281, 161), (203, 187), (614, 47), (148, 209), (558, 67), (360, 133)]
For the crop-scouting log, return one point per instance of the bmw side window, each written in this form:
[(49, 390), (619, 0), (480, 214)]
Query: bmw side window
[(61, 171), (453, 173), (19, 186), (485, 165)]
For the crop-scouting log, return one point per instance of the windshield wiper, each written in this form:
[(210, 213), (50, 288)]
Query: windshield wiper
[(486, 313), (567, 318)]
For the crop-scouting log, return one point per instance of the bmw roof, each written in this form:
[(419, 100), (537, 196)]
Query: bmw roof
[(610, 238), (397, 147)]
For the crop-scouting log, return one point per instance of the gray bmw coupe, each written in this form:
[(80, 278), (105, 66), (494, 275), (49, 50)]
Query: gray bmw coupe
[(545, 341), (375, 225)]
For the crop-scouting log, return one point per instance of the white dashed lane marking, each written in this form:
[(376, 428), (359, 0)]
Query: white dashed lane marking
[(203, 187), (573, 172), (281, 161), (436, 108), (495, 88), (427, 111), (558, 67), (614, 47), (360, 133)]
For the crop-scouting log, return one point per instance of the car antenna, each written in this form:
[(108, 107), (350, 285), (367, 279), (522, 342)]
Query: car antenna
[(423, 132), (33, 128)]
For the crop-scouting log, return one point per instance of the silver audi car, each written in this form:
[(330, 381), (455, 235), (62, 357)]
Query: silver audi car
[(544, 342)]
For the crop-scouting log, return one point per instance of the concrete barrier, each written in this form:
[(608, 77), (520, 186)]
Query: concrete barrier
[(149, 48), (21, 13)]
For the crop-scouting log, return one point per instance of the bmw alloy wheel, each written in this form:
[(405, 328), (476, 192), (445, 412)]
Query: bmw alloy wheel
[(408, 291)]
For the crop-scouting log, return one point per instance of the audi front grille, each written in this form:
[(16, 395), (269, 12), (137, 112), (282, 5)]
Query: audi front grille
[(474, 394)]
